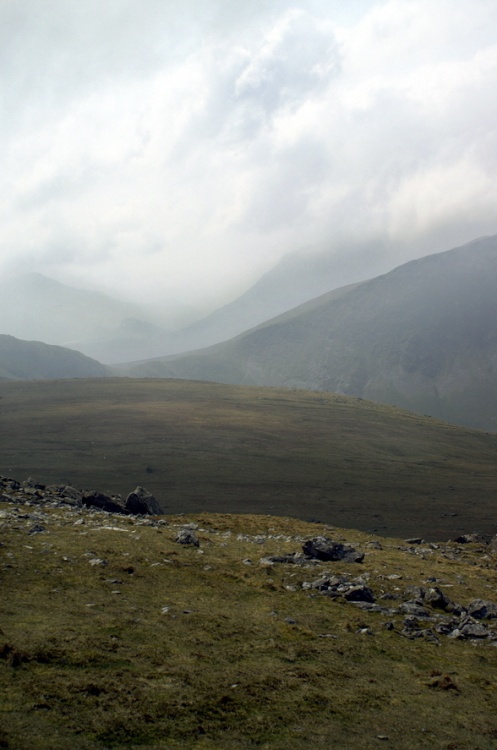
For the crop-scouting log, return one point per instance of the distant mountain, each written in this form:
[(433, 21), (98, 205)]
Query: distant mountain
[(423, 336), (297, 278), (36, 307), (32, 360)]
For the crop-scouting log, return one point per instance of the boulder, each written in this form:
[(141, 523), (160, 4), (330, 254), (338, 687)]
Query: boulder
[(359, 594), (323, 548), (103, 502), (436, 598), (482, 610), (142, 502), (187, 536), (468, 538)]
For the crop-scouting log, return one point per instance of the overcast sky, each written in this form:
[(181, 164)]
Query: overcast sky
[(180, 148)]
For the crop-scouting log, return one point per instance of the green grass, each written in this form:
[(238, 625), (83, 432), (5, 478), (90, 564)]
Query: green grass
[(88, 668), (210, 447)]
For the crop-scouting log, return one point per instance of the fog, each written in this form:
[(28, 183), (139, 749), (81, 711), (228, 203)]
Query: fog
[(172, 153)]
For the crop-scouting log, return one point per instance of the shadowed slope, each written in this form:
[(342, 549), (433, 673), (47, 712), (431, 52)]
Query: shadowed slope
[(423, 336)]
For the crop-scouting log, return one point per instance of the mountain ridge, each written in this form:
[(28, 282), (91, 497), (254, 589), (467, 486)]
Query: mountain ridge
[(422, 336)]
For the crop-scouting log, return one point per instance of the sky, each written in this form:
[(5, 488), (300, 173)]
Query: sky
[(160, 149)]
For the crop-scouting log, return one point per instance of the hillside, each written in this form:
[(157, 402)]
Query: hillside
[(232, 449), (423, 337), (32, 360), (228, 631), (296, 279)]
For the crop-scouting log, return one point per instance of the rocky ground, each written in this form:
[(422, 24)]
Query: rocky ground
[(423, 609)]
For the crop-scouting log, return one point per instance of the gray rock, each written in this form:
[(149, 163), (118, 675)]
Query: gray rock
[(359, 594), (482, 610), (323, 548), (37, 529), (71, 495), (474, 630), (468, 538), (413, 608), (436, 598), (103, 502), (187, 536), (142, 502), (415, 592)]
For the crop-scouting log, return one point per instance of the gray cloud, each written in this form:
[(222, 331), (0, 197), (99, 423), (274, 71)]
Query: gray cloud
[(182, 149)]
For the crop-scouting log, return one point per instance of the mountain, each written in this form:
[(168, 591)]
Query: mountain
[(423, 336), (295, 279), (36, 307), (32, 360)]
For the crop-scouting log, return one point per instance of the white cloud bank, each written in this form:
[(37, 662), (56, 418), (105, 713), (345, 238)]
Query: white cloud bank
[(179, 149)]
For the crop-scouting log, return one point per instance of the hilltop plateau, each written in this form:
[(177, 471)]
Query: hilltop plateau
[(210, 447)]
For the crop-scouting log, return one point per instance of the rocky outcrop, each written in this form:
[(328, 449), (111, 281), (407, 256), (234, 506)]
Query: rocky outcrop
[(142, 502), (323, 548), (138, 502)]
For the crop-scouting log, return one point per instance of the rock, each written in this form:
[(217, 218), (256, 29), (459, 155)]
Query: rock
[(482, 610), (31, 483), (359, 594), (103, 502), (187, 536), (415, 592), (413, 608), (414, 540), (294, 558), (142, 502), (37, 529), (323, 548), (436, 598), (474, 630), (71, 495), (468, 538)]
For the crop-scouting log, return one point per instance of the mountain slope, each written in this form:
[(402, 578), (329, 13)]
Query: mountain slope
[(297, 278), (32, 360), (423, 336)]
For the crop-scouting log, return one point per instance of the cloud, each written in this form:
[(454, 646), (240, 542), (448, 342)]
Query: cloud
[(183, 149)]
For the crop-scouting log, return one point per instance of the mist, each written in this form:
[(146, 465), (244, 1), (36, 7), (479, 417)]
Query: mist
[(171, 155)]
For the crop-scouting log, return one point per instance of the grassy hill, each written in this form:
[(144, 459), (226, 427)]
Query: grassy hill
[(423, 337), (114, 635), (33, 360), (210, 447)]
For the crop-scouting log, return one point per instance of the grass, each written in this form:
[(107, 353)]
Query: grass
[(210, 447), (169, 647)]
